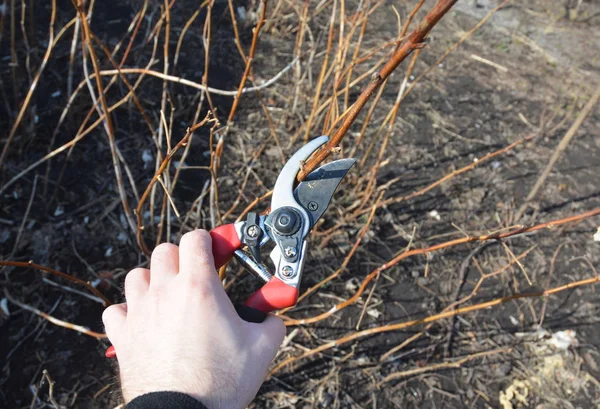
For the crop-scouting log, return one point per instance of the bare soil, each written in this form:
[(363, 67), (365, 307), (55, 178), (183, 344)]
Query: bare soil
[(532, 65)]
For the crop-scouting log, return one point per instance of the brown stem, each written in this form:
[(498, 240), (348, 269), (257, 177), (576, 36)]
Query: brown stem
[(54, 320), (440, 246), (25, 105), (31, 264), (431, 318), (414, 41), (255, 32), (559, 150), (87, 41), (161, 168)]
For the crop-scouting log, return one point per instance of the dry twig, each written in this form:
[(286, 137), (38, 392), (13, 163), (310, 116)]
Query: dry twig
[(464, 240), (558, 152), (54, 320), (414, 41), (76, 280), (432, 318)]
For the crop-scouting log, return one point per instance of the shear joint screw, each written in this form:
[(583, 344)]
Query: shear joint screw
[(287, 271), (312, 206), (290, 251), (252, 231)]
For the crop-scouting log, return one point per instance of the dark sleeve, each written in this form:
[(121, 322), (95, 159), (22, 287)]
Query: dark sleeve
[(165, 400)]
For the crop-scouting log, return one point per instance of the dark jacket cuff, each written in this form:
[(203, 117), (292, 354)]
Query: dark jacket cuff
[(165, 400)]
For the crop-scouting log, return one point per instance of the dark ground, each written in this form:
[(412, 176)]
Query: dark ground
[(549, 58)]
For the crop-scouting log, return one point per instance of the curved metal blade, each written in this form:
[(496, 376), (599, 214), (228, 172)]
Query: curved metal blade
[(315, 192), (283, 192)]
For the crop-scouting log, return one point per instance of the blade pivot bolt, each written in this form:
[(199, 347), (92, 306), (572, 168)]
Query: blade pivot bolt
[(312, 206), (286, 221)]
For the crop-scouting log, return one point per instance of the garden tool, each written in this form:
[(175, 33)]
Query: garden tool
[(293, 214)]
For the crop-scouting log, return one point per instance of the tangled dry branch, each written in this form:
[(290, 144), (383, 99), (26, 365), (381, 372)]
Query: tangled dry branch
[(235, 152)]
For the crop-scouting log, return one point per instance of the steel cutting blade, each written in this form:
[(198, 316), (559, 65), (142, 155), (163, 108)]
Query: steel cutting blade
[(314, 193)]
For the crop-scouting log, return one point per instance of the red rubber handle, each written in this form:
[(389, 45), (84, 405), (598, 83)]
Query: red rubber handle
[(225, 241), (275, 295), (111, 352)]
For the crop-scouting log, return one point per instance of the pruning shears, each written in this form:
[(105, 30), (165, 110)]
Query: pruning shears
[(293, 214)]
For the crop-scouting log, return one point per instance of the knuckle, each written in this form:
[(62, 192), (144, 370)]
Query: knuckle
[(164, 250), (280, 329), (201, 287), (202, 292), (134, 276), (164, 254), (199, 243), (108, 313), (199, 282), (200, 236), (206, 259)]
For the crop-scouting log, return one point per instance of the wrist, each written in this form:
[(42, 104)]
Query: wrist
[(165, 400)]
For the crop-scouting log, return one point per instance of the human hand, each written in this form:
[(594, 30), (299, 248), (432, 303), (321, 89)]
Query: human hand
[(179, 331)]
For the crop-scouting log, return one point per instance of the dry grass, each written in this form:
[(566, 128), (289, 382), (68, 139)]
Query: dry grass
[(180, 117)]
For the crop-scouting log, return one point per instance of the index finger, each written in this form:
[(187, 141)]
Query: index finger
[(196, 259)]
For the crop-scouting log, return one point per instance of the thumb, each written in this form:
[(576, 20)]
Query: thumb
[(270, 334), (114, 318)]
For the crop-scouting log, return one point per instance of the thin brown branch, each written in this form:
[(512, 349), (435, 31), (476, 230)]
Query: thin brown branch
[(432, 318), (249, 59), (414, 41), (457, 363), (457, 172), (323, 73), (393, 115), (456, 303), (51, 43), (161, 169), (88, 41), (559, 150), (464, 240), (31, 264), (454, 46), (54, 320)]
